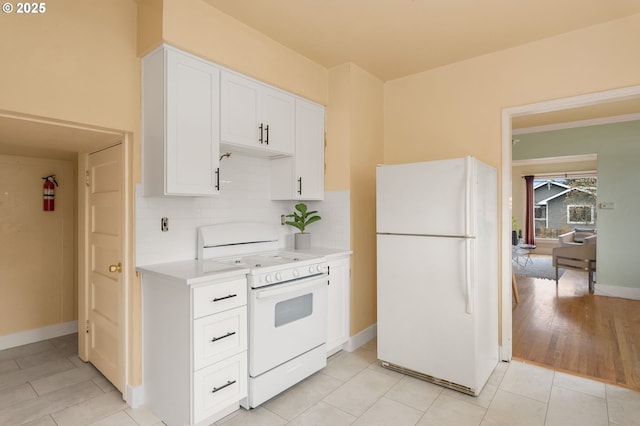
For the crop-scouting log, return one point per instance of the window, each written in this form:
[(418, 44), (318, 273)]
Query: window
[(582, 215), (563, 203), (540, 219)]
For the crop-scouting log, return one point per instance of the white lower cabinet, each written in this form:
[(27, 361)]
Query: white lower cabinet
[(219, 386), (338, 314), (194, 347)]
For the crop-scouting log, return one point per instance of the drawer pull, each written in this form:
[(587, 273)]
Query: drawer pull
[(215, 339), (217, 299), (229, 383)]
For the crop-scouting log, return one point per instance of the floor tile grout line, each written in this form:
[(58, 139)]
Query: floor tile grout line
[(33, 388)]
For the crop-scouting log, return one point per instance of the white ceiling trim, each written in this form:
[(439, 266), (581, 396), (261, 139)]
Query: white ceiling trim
[(576, 124), (555, 160)]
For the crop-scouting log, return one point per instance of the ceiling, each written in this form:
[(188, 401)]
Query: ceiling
[(395, 38), (389, 38), (34, 137)]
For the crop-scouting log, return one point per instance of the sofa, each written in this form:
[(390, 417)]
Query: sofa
[(578, 237)]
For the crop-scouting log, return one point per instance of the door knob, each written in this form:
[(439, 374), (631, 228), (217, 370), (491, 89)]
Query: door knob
[(115, 268)]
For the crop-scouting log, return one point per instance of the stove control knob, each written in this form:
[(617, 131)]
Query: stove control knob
[(311, 269), (296, 273), (319, 268), (278, 276), (267, 278)]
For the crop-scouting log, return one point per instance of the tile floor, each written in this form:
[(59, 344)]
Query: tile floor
[(45, 383)]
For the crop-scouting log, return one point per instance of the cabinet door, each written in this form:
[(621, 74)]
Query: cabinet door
[(338, 311), (192, 144), (309, 158), (218, 386), (278, 120), (239, 115)]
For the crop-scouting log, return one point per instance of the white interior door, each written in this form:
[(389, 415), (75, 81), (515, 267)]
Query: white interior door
[(105, 292)]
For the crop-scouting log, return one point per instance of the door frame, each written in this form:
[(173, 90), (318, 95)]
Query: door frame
[(506, 189), (127, 258)]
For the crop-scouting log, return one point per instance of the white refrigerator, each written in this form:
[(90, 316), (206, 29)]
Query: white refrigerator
[(437, 266)]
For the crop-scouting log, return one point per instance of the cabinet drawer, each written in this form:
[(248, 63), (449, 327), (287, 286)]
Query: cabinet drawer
[(219, 297), (219, 385), (219, 336)]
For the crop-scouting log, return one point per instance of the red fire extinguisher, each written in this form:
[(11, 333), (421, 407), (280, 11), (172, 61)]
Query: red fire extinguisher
[(49, 193)]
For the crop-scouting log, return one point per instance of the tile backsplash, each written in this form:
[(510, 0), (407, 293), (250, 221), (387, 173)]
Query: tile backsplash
[(244, 196)]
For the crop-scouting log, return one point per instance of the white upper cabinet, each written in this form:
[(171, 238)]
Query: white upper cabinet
[(302, 177), (254, 118), (180, 107)]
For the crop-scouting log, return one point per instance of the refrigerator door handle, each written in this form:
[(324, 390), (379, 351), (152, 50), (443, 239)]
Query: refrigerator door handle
[(467, 242), (467, 275), (467, 194)]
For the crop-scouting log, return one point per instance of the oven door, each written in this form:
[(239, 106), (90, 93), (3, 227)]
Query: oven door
[(285, 321)]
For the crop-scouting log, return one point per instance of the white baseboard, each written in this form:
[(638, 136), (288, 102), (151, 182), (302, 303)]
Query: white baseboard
[(361, 338), (36, 335), (618, 291), (134, 396)]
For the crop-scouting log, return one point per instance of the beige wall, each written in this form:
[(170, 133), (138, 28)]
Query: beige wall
[(37, 253), (338, 130), (455, 110), (354, 148), (76, 62)]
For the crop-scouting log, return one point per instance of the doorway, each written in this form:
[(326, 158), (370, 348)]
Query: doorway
[(566, 104), (23, 136)]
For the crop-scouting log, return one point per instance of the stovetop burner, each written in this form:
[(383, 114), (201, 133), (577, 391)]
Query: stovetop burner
[(275, 267), (255, 246), (264, 260)]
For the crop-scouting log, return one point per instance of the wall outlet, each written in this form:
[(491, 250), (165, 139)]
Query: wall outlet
[(164, 224), (282, 219)]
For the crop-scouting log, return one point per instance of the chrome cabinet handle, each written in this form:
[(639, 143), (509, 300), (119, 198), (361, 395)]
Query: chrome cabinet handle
[(261, 133), (266, 129)]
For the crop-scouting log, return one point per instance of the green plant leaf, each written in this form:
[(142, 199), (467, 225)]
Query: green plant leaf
[(296, 225), (312, 219), (302, 219)]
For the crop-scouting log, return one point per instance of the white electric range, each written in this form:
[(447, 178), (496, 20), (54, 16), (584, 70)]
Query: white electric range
[(287, 304)]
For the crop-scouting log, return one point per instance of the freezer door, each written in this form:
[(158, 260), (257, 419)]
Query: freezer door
[(423, 322), (422, 198)]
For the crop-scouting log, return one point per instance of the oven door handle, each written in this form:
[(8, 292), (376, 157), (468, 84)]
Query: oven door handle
[(293, 286)]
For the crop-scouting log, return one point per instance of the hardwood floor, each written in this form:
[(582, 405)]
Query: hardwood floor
[(572, 331)]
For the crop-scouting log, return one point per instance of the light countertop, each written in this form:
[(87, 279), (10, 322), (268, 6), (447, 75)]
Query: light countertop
[(329, 253), (194, 271)]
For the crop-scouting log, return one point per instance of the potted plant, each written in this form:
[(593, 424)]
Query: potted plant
[(514, 231), (301, 219)]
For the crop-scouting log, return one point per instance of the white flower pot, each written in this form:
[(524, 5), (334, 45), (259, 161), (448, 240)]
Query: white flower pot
[(302, 241)]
